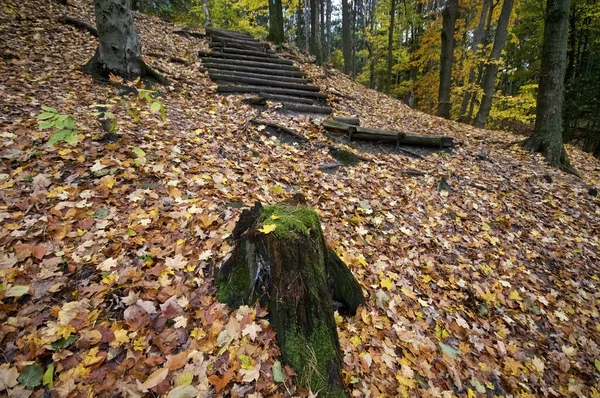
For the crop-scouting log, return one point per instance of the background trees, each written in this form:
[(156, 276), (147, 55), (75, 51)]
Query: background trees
[(397, 46)]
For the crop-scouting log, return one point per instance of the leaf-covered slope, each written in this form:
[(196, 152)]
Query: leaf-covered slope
[(108, 248)]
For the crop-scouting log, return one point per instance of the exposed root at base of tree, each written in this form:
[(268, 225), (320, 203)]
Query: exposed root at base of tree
[(98, 70), (81, 25), (555, 155)]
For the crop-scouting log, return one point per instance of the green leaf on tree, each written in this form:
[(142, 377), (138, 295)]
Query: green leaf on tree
[(31, 376)]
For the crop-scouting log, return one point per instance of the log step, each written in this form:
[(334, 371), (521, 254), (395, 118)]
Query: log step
[(262, 82), (304, 108), (230, 88), (246, 52), (206, 54), (234, 68), (238, 46), (229, 41), (251, 64), (266, 76), (287, 98)]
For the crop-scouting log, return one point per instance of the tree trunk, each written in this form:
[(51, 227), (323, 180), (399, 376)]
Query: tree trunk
[(547, 137), (293, 272), (328, 31), (275, 21), (388, 81), (119, 51), (315, 32), (477, 38), (447, 57), (491, 69), (346, 39), (300, 27), (207, 20), (306, 12)]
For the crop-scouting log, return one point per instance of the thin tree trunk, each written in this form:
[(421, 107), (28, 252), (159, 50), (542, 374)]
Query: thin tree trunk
[(491, 69), (307, 26), (275, 21), (447, 57), (346, 39), (315, 40), (388, 81), (207, 20), (547, 137), (328, 31), (477, 39), (300, 27)]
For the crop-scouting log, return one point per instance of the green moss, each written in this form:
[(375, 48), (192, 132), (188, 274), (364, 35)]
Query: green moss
[(309, 355), (346, 158), (291, 220), (235, 288)]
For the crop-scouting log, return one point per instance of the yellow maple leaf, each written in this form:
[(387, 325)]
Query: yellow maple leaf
[(514, 295), (268, 228), (387, 284)]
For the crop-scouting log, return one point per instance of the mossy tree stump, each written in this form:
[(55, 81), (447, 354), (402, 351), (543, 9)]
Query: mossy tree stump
[(293, 272)]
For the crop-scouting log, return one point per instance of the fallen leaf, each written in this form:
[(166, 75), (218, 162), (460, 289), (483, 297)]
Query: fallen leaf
[(154, 379)]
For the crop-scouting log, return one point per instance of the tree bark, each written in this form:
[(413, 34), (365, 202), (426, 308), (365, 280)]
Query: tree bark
[(388, 81), (547, 137), (491, 69), (328, 31), (275, 21), (449, 16), (477, 39), (315, 32), (207, 20), (346, 39), (119, 49), (293, 272)]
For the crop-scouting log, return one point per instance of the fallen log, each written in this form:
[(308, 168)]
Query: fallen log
[(231, 40), (210, 54), (238, 46), (348, 120), (189, 35), (228, 33), (280, 129), (261, 82), (271, 90), (400, 138), (293, 272), (81, 25), (250, 64), (304, 108)]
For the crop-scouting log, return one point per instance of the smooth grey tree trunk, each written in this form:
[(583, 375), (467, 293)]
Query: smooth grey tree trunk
[(388, 80), (491, 69), (119, 51), (328, 31), (346, 39), (477, 39), (547, 137), (208, 21), (275, 21), (449, 16)]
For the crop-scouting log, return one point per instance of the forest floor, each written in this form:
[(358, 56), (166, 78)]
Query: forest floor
[(491, 287)]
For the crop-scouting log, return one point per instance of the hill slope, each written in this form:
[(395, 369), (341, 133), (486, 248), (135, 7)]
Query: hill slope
[(108, 247)]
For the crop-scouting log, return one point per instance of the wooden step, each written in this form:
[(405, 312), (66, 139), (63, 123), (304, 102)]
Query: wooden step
[(229, 33), (228, 41), (236, 68), (267, 76), (230, 88), (250, 64), (210, 54), (287, 98), (262, 82), (303, 108), (238, 46), (246, 52)]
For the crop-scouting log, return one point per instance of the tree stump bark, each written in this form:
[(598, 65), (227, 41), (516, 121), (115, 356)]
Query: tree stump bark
[(291, 270)]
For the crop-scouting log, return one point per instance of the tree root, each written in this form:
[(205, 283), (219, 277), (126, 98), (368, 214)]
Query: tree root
[(555, 155), (81, 25)]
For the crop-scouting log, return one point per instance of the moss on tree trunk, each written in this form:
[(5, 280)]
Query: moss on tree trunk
[(293, 272)]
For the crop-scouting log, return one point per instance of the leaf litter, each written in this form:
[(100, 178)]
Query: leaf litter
[(488, 287)]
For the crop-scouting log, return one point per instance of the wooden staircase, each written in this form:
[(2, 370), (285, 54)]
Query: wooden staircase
[(239, 63)]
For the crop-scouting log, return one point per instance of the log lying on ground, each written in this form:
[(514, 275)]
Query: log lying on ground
[(228, 41), (266, 54), (280, 129), (286, 98), (236, 45), (296, 275), (270, 71), (189, 34), (270, 90), (371, 134), (208, 54), (81, 25), (251, 64), (228, 33)]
